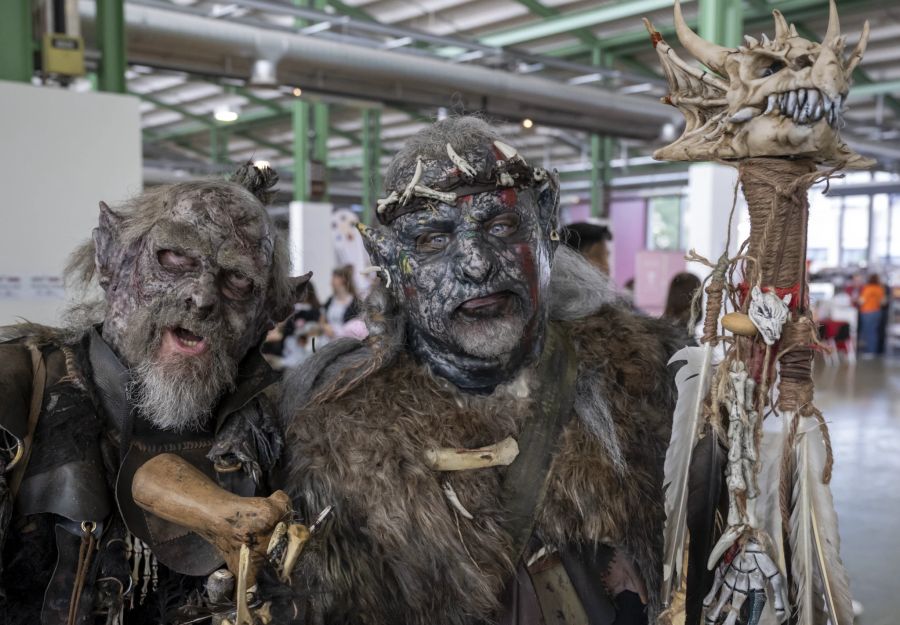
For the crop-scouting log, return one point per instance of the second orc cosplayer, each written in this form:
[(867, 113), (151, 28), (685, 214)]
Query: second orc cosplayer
[(162, 378), (494, 450)]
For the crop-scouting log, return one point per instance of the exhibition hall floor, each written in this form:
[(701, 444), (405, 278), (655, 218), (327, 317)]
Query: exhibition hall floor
[(862, 405)]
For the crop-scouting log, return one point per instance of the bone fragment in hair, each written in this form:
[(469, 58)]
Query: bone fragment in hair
[(410, 188), (745, 114), (450, 494), (463, 165), (505, 180), (385, 202), (457, 459), (447, 197), (508, 151)]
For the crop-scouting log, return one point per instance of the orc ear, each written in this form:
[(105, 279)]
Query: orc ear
[(548, 201), (105, 236), (296, 288)]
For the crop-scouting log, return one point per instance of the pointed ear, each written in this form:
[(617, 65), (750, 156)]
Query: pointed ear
[(376, 243), (296, 289), (548, 200), (106, 236)]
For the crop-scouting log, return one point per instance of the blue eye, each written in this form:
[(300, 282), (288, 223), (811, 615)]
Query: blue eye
[(432, 241), (503, 225)]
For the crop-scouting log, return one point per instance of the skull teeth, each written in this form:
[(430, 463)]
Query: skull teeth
[(806, 106)]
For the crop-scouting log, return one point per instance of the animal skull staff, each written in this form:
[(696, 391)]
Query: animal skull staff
[(772, 108)]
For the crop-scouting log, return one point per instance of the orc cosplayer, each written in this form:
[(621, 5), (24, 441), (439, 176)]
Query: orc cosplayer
[(494, 449), (192, 276)]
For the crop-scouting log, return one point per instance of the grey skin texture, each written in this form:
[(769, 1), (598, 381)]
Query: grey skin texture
[(204, 265), (442, 256)]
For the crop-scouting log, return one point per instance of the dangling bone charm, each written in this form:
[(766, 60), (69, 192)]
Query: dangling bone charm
[(768, 313)]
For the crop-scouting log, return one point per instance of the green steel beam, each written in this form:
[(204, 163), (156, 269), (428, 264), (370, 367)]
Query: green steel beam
[(871, 88), (542, 10), (755, 18), (721, 21), (301, 150), (16, 46), (371, 170), (573, 21), (111, 38), (354, 12)]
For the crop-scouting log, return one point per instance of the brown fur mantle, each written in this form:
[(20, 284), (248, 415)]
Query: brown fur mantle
[(397, 552)]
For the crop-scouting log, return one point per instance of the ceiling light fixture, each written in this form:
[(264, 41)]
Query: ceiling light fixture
[(297, 92), (225, 114), (527, 123)]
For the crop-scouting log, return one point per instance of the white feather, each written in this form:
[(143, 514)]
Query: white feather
[(692, 382), (820, 582)]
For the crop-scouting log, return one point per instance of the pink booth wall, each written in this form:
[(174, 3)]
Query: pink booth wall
[(628, 222)]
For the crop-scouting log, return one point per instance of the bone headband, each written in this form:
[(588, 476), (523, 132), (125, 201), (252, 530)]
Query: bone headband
[(511, 173)]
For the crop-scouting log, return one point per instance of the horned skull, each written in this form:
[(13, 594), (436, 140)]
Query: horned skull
[(771, 97)]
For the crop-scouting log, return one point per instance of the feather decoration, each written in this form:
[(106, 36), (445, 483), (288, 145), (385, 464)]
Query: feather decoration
[(818, 577), (692, 382), (705, 497)]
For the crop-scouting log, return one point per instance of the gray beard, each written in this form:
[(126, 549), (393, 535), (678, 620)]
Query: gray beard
[(488, 338), (179, 396)]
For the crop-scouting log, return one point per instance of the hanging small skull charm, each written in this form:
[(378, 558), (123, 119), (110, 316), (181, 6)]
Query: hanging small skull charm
[(768, 313), (738, 595)]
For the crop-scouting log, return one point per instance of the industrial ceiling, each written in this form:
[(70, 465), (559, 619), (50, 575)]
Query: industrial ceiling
[(573, 68)]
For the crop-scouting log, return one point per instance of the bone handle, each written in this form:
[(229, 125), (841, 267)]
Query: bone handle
[(454, 459), (174, 490)]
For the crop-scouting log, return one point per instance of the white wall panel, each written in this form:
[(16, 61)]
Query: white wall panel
[(60, 154)]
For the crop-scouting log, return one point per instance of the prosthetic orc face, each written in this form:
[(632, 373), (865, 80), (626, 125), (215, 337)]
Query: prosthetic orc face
[(468, 251), (776, 97), (188, 276)]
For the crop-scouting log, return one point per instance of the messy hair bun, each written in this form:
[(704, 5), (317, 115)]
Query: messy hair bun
[(258, 180)]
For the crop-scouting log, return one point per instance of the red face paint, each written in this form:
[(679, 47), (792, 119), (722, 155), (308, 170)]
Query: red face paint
[(509, 197)]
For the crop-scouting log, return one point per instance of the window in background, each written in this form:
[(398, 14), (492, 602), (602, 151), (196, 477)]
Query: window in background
[(881, 229), (855, 231), (824, 226), (664, 223), (895, 229)]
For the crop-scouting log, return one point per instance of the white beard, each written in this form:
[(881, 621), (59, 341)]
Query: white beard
[(488, 338), (180, 398)]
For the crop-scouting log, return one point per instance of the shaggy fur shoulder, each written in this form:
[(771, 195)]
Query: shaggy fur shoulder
[(397, 552)]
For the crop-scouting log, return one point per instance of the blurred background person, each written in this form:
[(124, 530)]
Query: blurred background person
[(590, 240), (680, 298), (341, 312), (872, 297)]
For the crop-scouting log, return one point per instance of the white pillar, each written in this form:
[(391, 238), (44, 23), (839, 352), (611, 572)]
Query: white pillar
[(311, 243), (710, 195)]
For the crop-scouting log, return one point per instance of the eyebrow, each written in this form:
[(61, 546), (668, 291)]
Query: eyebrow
[(171, 234)]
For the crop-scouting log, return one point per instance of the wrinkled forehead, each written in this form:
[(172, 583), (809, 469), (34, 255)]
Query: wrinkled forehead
[(210, 221), (475, 208)]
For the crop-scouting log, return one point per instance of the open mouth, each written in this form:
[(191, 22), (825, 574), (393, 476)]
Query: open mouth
[(487, 306), (184, 341), (803, 106)]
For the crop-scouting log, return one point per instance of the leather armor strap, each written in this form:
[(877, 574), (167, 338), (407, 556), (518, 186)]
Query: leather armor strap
[(525, 482), (39, 381)]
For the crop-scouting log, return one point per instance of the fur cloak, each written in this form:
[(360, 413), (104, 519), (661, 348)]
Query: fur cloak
[(358, 423)]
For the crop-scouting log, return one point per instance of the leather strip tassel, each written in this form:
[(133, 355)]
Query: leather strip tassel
[(85, 555)]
